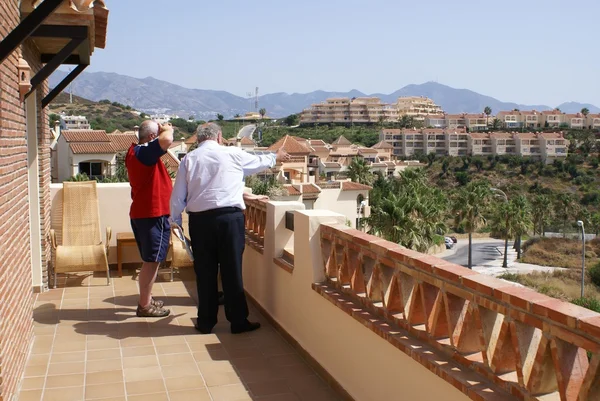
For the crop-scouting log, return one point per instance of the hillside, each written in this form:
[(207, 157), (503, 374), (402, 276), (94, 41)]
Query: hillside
[(155, 96)]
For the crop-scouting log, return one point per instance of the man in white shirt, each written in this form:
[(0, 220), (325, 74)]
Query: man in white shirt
[(210, 186)]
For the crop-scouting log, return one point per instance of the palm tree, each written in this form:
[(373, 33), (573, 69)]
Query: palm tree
[(595, 223), (496, 124), (521, 219), (487, 111), (262, 112), (469, 208), (565, 209), (585, 111), (359, 171), (502, 222), (541, 213)]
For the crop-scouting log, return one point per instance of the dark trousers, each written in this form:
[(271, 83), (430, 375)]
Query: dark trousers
[(218, 239)]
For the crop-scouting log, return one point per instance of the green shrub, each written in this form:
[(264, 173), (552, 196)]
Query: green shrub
[(589, 303), (594, 273)]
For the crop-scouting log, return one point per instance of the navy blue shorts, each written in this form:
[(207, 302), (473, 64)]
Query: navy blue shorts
[(153, 236)]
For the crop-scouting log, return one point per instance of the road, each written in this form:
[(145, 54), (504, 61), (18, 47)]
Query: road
[(246, 131), (483, 252)]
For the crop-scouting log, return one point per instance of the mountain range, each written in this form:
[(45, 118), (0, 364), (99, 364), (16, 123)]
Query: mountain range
[(155, 96)]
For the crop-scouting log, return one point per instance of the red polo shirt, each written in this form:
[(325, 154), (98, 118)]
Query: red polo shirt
[(151, 185)]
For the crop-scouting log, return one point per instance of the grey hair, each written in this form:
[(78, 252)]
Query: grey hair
[(208, 131), (147, 128)]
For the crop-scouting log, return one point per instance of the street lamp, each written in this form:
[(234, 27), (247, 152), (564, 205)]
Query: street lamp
[(503, 195), (580, 224)]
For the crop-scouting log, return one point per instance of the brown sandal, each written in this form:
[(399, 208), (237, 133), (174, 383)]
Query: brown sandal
[(152, 311), (158, 303)]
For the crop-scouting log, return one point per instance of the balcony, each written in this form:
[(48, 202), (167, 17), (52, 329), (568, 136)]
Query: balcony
[(352, 317)]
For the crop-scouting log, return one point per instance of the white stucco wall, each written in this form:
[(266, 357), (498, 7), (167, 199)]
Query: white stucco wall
[(342, 202)]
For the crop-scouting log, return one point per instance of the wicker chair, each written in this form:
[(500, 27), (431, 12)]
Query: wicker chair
[(81, 249)]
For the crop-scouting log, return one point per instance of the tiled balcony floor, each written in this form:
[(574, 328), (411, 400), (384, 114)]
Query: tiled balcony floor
[(89, 345)]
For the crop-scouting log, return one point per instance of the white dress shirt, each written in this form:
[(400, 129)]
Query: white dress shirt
[(212, 177)]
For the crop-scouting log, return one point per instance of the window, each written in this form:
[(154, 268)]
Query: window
[(91, 169)]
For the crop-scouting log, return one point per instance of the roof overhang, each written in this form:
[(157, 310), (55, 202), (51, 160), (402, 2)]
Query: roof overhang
[(63, 31)]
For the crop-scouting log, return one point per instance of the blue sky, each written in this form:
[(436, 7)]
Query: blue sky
[(527, 51)]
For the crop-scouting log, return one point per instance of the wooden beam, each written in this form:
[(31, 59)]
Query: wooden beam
[(27, 27)]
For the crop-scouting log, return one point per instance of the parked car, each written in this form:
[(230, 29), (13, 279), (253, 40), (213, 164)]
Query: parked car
[(449, 242), (454, 239)]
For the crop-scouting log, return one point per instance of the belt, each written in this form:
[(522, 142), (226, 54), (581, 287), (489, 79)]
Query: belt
[(211, 212)]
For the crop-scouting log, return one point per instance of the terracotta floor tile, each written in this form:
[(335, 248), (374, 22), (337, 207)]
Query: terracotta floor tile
[(140, 362), (38, 359), (215, 366), (33, 383), (104, 365), (285, 360), (168, 340), (38, 370), (30, 395), (99, 391), (145, 387), (75, 380), (184, 383), (63, 394), (295, 371), (137, 342), (65, 368), (138, 374), (278, 397), (106, 343), (299, 384), (149, 397), (269, 387), (138, 351), (97, 355), (213, 379), (78, 356), (68, 346), (172, 349), (176, 359), (180, 370), (236, 392), (112, 376), (188, 395), (317, 395)]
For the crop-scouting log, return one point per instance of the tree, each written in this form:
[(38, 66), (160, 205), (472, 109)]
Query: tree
[(191, 118), (408, 211), (292, 120), (359, 171), (502, 223), (469, 208), (53, 119), (220, 117), (237, 115), (262, 112), (565, 210), (487, 111), (496, 124), (430, 158), (521, 219), (585, 111), (541, 213), (595, 223)]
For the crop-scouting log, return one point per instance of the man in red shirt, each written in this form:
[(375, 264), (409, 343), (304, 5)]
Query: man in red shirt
[(151, 188)]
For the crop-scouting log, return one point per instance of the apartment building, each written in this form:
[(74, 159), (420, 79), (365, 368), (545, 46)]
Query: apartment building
[(407, 143), (530, 119), (73, 122), (575, 121), (454, 121), (417, 107), (476, 122), (593, 121), (368, 110), (435, 121), (552, 119), (510, 119)]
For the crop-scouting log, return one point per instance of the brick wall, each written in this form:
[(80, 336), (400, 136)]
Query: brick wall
[(16, 322)]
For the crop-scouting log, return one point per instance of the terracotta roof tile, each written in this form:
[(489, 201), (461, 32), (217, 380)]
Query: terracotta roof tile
[(367, 150), (320, 149), (310, 189), (247, 141), (290, 145), (382, 145), (79, 148), (191, 140), (551, 135), (171, 162), (342, 141), (85, 135), (479, 135), (354, 186), (292, 190), (122, 142)]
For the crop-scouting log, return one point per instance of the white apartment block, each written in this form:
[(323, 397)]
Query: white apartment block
[(363, 110), (73, 122), (408, 142)]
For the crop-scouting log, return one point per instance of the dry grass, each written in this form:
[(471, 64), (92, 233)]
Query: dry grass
[(560, 252), (565, 285)]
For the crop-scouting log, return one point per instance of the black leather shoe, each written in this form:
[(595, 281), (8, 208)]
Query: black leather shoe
[(221, 298), (203, 330), (244, 327)]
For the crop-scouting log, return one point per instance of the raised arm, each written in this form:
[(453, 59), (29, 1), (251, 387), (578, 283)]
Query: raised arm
[(253, 164), (165, 136)]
